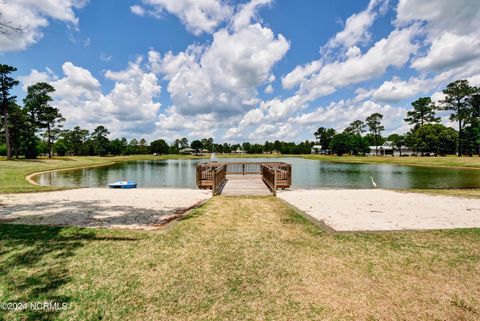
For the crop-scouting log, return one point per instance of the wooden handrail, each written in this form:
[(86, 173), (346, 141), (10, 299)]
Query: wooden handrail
[(269, 176), (213, 175), (219, 178)]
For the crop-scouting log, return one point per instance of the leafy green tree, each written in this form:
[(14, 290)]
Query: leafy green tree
[(435, 138), (142, 147), (51, 120), (324, 136), (18, 126), (159, 146), (474, 106), (197, 146), (226, 148), (208, 143), (184, 142), (356, 128), (357, 144), (132, 147), (6, 85), (423, 112), (374, 123), (456, 99), (42, 115), (60, 147), (472, 131), (268, 146), (75, 140), (100, 140), (118, 146), (246, 147), (340, 144), (373, 140), (398, 141)]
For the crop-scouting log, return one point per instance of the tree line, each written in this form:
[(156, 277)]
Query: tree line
[(36, 128), (427, 135)]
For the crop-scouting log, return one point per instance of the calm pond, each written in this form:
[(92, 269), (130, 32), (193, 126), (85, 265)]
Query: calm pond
[(306, 174)]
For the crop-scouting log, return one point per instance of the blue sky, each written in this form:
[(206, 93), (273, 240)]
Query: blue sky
[(240, 70)]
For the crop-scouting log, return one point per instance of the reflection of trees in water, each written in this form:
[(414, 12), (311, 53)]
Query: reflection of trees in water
[(445, 178), (306, 173)]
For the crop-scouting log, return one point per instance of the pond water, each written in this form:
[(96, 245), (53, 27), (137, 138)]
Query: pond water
[(305, 174)]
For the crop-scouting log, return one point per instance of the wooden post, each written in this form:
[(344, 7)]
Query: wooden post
[(214, 182), (274, 181)]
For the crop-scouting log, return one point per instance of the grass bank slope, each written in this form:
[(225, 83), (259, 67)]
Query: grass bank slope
[(440, 161)]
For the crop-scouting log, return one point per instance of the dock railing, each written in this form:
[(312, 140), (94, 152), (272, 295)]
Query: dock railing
[(277, 175), (269, 176), (213, 175), (219, 179)]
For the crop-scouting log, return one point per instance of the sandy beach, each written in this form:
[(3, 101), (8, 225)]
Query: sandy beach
[(99, 207), (380, 210), (342, 210)]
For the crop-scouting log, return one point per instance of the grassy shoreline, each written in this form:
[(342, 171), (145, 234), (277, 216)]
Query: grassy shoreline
[(241, 258), (13, 174), (439, 161)]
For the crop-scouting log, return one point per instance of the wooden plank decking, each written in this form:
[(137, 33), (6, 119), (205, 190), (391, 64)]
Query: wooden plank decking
[(244, 178), (251, 185)]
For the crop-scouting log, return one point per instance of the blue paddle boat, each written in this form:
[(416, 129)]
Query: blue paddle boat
[(123, 184)]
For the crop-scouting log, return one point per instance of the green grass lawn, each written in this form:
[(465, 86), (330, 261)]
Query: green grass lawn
[(241, 259), (440, 161)]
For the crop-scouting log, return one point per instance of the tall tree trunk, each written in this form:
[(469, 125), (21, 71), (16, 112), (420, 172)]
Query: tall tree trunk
[(459, 137), (49, 141), (7, 132)]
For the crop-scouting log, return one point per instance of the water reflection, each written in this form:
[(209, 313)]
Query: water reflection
[(306, 174)]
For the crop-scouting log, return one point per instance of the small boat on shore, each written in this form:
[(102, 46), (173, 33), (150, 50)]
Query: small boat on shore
[(123, 184)]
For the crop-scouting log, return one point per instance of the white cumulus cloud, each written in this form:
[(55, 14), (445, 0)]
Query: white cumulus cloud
[(33, 16), (128, 109), (198, 16)]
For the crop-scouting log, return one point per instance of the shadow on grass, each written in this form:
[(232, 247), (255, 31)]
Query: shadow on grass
[(33, 265)]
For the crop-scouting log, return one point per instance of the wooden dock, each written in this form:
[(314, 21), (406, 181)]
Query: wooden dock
[(244, 178), (251, 185)]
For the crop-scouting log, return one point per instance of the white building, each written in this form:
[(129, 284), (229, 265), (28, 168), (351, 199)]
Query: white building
[(316, 149), (388, 149), (238, 151)]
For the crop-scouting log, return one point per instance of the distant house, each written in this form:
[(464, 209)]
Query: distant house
[(187, 151), (389, 149), (238, 151), (316, 149)]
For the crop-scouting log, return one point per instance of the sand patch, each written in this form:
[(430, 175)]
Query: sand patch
[(99, 207), (378, 210)]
